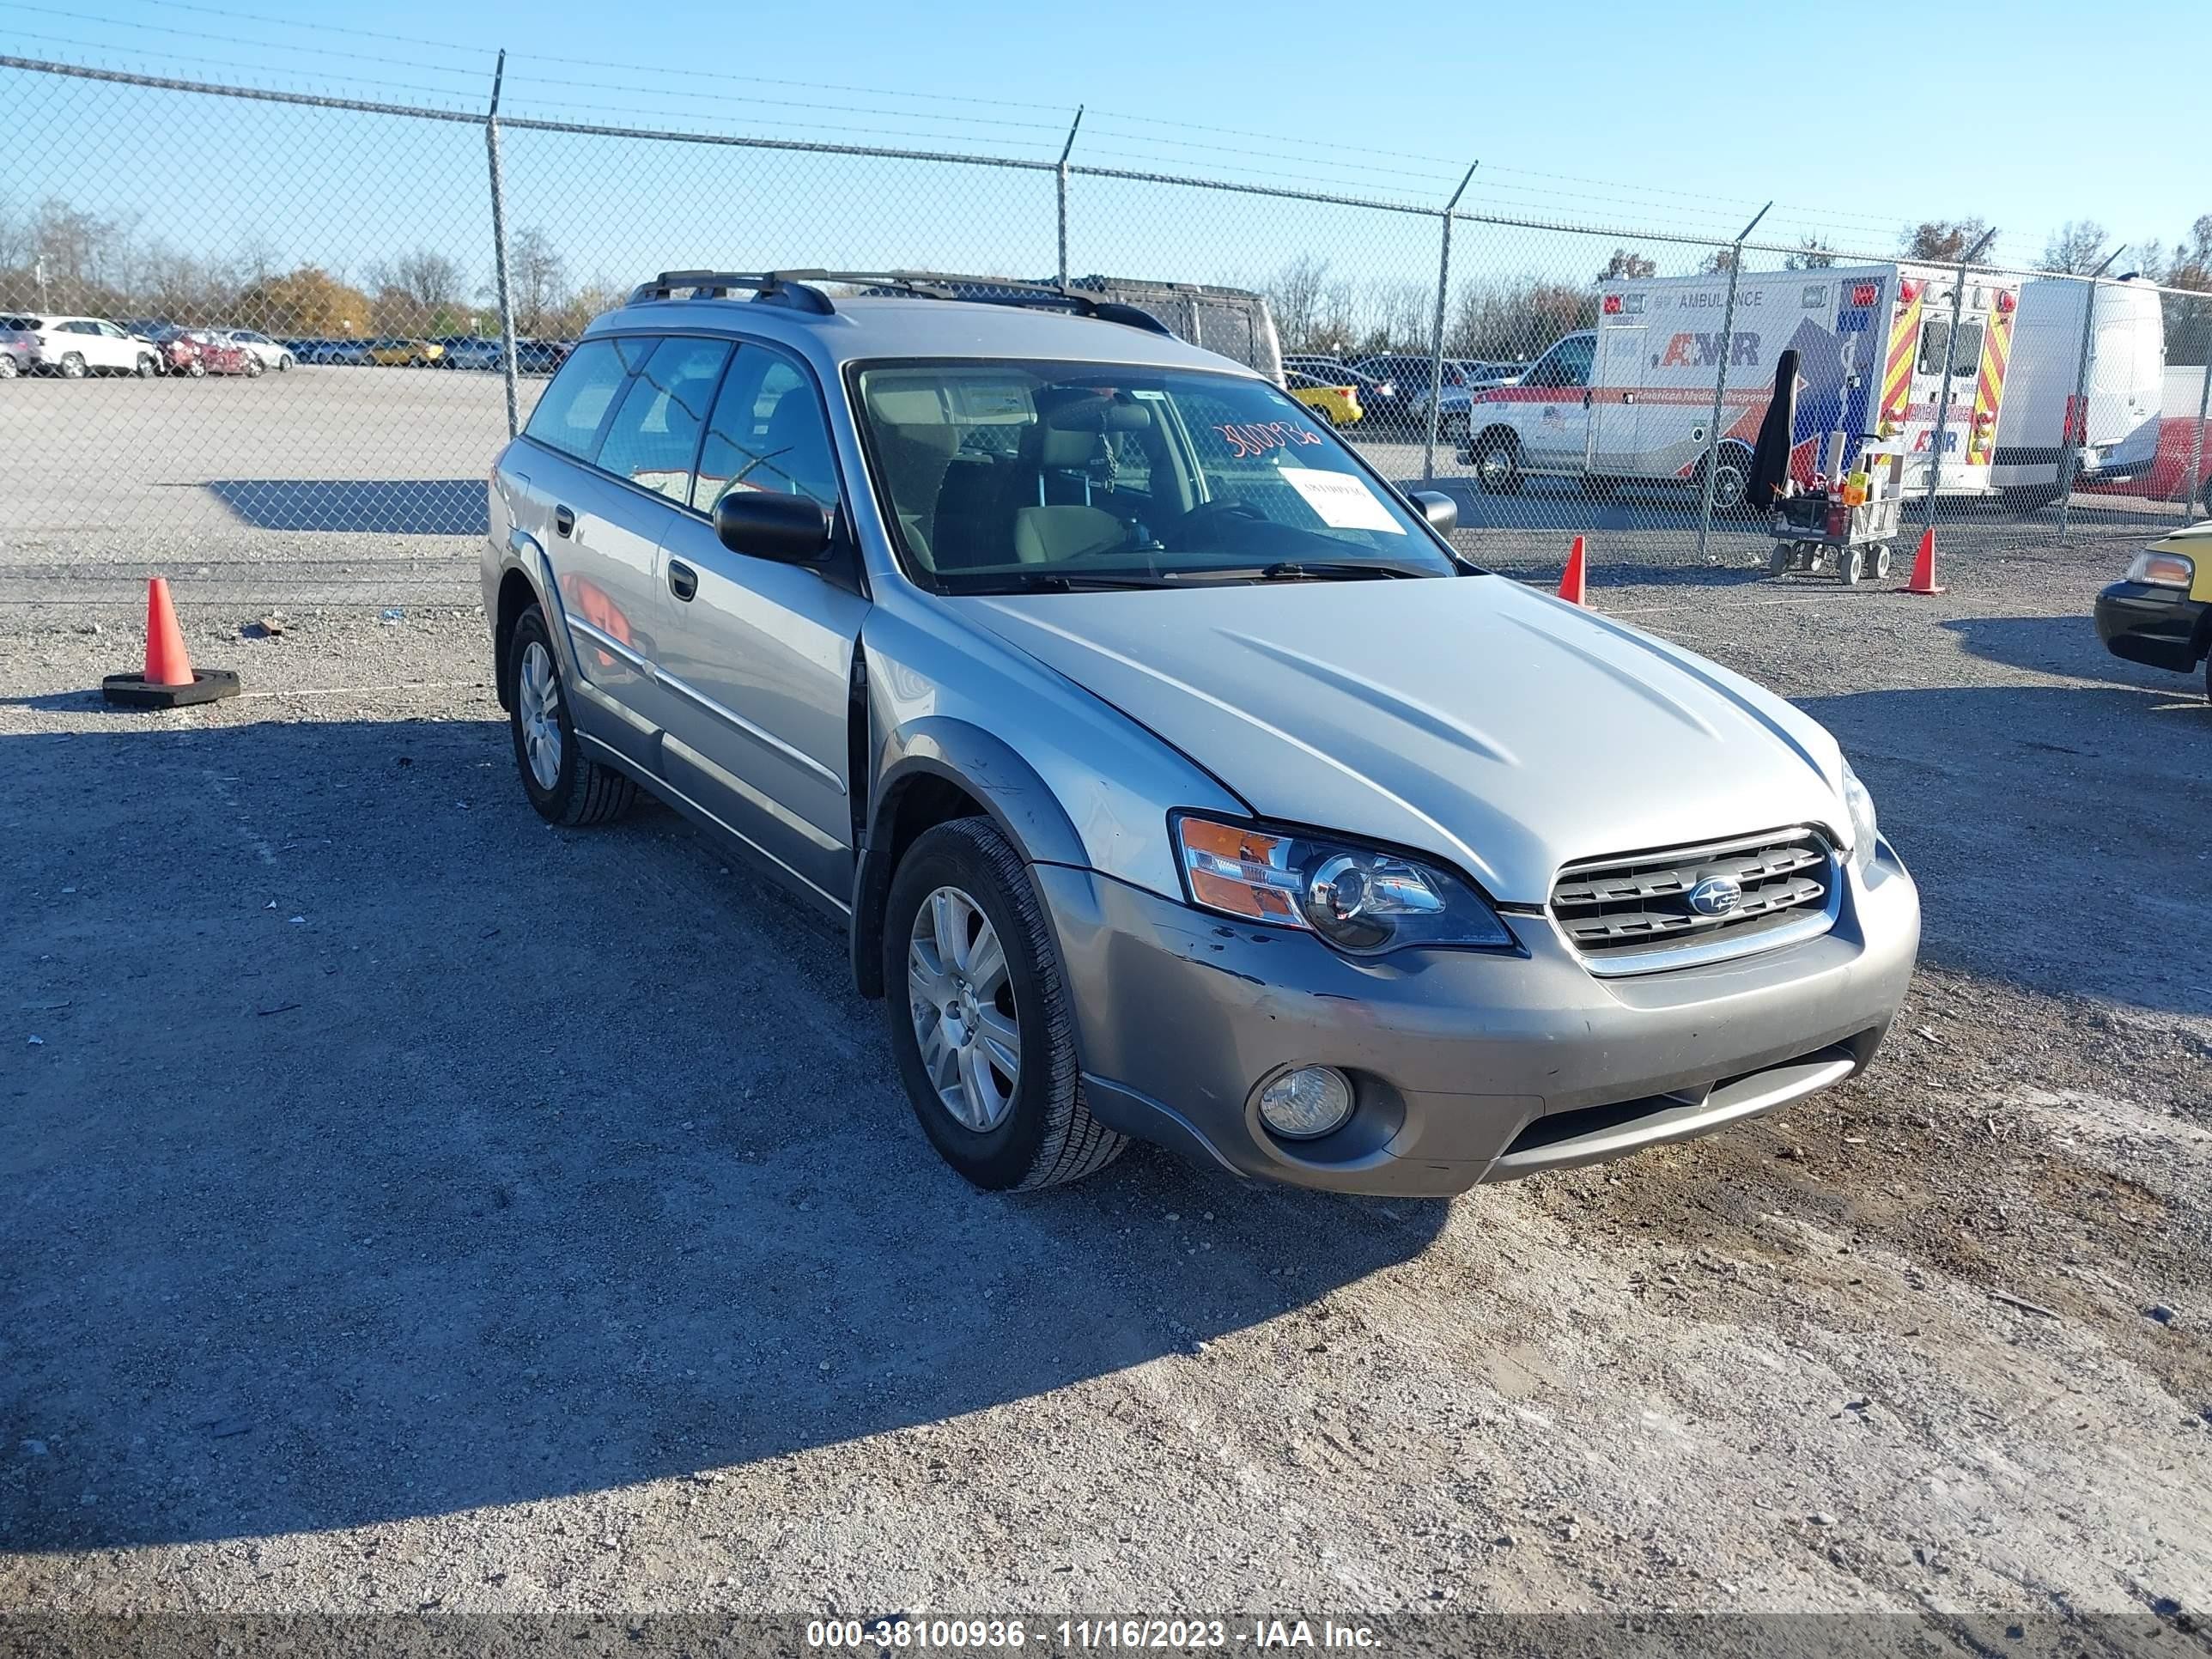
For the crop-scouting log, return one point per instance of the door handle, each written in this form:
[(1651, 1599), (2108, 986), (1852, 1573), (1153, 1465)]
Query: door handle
[(682, 580), (564, 521)]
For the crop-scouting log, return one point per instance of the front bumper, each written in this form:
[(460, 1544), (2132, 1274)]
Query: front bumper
[(1466, 1066), (2152, 624)]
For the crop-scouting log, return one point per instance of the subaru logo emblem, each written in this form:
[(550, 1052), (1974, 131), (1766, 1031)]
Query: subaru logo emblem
[(1716, 896)]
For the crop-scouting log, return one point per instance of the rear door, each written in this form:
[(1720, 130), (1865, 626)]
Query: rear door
[(759, 656), (601, 535), (1935, 402), (1616, 414)]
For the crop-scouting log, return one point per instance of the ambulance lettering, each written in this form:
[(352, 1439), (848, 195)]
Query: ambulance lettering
[(1704, 351), (1921, 444)]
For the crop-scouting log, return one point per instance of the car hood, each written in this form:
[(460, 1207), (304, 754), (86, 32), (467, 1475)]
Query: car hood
[(1470, 717)]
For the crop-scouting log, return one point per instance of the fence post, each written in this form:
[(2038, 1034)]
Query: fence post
[(507, 362), (1720, 382), (1437, 343), (2192, 490), (2069, 449), (1943, 400), (1062, 191)]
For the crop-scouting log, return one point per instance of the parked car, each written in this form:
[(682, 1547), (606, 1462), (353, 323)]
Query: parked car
[(403, 353), (540, 356), (75, 346), (340, 353), (2160, 612), (1168, 773), (472, 354), (270, 353), (1377, 398), (1337, 404), (19, 347), (199, 352), (1411, 373)]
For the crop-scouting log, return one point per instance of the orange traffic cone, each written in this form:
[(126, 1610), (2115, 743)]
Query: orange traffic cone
[(1924, 566), (1570, 583), (170, 680)]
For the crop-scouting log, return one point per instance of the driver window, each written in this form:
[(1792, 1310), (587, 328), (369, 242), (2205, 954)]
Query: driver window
[(766, 433)]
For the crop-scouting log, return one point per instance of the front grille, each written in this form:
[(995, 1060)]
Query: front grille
[(1633, 914)]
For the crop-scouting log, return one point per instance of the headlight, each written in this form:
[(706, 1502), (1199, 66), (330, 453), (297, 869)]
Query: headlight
[(1360, 899), (2163, 569), (1864, 829)]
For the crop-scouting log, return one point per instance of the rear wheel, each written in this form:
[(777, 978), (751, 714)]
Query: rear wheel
[(8, 369), (979, 1017), (1848, 566), (1882, 562), (146, 367), (1498, 463), (197, 369), (284, 362), (1779, 561), (73, 367), (564, 785), (254, 368), (1731, 478)]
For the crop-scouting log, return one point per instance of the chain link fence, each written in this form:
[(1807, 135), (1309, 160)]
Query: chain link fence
[(311, 315)]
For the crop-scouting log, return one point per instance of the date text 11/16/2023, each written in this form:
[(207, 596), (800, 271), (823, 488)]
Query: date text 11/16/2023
[(1084, 1635)]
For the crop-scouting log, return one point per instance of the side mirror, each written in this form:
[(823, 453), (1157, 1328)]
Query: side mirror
[(1438, 510), (787, 529)]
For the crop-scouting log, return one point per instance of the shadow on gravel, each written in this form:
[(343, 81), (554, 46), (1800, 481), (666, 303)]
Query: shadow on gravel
[(2023, 809), (398, 506), (386, 1152), (2058, 645)]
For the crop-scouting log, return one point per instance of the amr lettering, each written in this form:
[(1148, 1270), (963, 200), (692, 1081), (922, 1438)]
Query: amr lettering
[(1926, 439), (1704, 350)]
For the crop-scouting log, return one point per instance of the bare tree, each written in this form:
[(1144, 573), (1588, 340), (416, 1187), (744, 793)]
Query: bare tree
[(1627, 265), (2191, 264), (1812, 254), (430, 281), (1719, 262), (538, 276), (2075, 248), (1942, 241), (1294, 293)]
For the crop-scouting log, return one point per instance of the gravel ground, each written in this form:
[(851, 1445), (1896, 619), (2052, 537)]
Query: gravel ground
[(416, 1206)]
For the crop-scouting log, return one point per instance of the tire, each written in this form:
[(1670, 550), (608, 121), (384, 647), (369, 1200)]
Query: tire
[(564, 785), (1497, 463), (1731, 477), (1043, 1134), (1882, 562), (1779, 561), (418, 362), (1849, 567), (72, 366), (8, 369), (197, 369), (146, 367), (254, 368), (284, 362)]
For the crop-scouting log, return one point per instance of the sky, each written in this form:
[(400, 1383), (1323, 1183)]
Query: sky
[(1642, 118)]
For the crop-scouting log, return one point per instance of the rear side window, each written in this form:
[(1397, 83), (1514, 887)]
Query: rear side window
[(766, 433), (569, 415), (655, 432)]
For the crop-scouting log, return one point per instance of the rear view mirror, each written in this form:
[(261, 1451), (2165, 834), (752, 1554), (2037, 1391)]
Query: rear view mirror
[(788, 529), (1438, 510)]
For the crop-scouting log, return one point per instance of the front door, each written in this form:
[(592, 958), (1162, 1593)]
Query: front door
[(759, 655), (1555, 435)]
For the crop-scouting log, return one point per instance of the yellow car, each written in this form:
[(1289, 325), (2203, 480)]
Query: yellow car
[(1337, 404), (405, 354), (2160, 612)]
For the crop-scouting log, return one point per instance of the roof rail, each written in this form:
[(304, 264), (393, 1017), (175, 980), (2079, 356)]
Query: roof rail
[(798, 290)]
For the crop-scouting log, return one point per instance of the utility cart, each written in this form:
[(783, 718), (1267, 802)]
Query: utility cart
[(1824, 536)]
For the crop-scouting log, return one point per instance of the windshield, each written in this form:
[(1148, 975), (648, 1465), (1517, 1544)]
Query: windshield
[(1001, 476)]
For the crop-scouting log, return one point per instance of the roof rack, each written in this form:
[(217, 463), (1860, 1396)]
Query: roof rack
[(798, 290)]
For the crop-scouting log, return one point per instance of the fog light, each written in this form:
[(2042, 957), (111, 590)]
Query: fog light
[(1308, 1101)]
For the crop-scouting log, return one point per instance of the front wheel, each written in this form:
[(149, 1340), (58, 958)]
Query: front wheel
[(146, 367), (979, 1017), (566, 786), (1731, 478), (197, 369), (73, 367), (284, 362), (1849, 567), (8, 369), (1497, 463), (254, 368)]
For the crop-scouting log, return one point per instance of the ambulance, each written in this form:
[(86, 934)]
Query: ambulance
[(1631, 400), (2112, 425)]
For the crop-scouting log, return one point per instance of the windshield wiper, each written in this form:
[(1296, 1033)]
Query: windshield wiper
[(1055, 581), (1290, 570)]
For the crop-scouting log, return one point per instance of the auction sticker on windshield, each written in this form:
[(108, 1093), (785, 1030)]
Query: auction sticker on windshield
[(1343, 501)]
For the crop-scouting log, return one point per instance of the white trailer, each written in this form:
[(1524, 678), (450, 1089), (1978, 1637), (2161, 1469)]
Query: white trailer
[(1633, 398)]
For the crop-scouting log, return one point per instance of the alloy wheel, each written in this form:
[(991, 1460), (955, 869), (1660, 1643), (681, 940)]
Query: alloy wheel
[(961, 999), (538, 707)]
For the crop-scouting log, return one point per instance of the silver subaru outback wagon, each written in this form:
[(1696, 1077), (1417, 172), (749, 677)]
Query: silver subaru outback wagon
[(1172, 776)]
